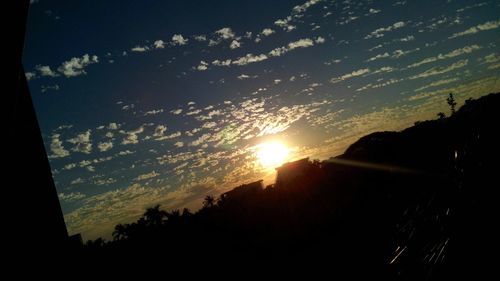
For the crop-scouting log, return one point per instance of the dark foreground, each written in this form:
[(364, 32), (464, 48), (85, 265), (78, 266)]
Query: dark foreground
[(412, 205)]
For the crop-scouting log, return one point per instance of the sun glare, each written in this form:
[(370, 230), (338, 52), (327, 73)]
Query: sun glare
[(272, 154)]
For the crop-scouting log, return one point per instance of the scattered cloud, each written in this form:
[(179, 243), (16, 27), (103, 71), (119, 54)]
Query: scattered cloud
[(71, 197), (373, 11), (478, 28), (381, 31), (202, 66), (77, 181), (225, 33), (107, 181), (319, 40), (176, 111), (437, 83), (105, 146), (379, 56), (441, 69), (82, 143), (302, 8), (235, 44), (140, 49), (69, 166), (150, 175), (159, 131), (202, 139), (30, 75), (200, 38), (285, 24), (179, 40), (159, 44), (249, 58), (355, 73), (132, 136), (57, 148), (54, 87), (153, 112), (452, 54), (76, 66), (45, 70), (267, 32), (222, 63), (399, 53), (405, 39), (491, 58), (171, 136), (244, 76), (302, 43), (113, 126), (125, 152)]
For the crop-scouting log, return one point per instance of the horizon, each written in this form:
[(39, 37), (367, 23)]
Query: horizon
[(166, 102)]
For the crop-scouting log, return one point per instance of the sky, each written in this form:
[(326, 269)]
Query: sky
[(164, 102)]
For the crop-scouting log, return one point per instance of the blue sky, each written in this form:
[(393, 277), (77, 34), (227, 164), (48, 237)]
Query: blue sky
[(164, 102)]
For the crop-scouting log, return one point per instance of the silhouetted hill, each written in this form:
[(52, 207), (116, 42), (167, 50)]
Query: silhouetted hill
[(428, 144), (409, 205)]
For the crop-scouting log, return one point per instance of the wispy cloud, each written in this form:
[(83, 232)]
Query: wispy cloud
[(302, 8), (140, 49), (48, 88), (71, 197), (452, 54), (147, 176), (437, 83), (222, 63), (478, 28), (440, 69), (153, 112), (176, 111), (249, 58), (355, 73), (381, 31), (171, 136)]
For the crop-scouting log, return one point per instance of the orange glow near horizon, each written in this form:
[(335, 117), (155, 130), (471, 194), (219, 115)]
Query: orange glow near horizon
[(272, 154)]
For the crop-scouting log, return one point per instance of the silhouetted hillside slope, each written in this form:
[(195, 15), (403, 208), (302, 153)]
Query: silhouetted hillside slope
[(409, 205)]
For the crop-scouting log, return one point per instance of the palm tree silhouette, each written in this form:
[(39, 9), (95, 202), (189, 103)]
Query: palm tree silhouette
[(209, 201), (154, 216), (120, 232)]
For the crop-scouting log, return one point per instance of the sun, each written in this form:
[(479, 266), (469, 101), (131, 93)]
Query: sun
[(272, 154)]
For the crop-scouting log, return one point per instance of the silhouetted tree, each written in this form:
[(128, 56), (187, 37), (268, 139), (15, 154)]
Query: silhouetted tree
[(209, 201), (154, 216), (441, 115), (222, 200), (186, 213), (174, 216), (120, 232), (451, 103)]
